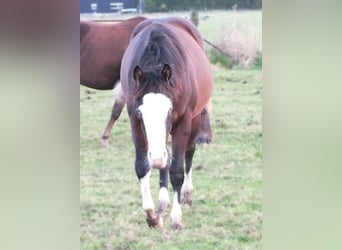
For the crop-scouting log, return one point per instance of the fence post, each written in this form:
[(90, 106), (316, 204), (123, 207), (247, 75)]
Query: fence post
[(194, 17)]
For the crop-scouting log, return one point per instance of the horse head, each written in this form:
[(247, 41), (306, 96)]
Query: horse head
[(155, 115)]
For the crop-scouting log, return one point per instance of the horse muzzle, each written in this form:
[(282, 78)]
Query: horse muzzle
[(158, 160)]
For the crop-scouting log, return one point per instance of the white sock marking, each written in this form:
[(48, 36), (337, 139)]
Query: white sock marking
[(176, 212), (164, 195), (146, 192), (188, 187)]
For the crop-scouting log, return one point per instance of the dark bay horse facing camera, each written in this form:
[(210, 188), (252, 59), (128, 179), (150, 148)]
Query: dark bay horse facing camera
[(101, 50), (167, 82)]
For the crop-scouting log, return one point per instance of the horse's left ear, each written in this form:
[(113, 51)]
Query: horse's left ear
[(166, 72), (138, 74)]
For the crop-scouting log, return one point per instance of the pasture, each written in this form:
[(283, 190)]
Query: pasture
[(227, 175)]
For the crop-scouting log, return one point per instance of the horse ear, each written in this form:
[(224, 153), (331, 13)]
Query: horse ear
[(166, 72), (138, 74)]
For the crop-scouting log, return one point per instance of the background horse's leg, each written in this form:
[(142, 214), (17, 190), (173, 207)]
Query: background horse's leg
[(116, 111), (164, 199), (205, 134)]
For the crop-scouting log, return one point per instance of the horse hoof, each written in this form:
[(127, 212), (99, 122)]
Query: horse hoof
[(176, 226), (155, 222), (204, 140), (105, 143), (187, 199)]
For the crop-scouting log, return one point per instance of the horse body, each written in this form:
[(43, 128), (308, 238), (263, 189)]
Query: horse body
[(101, 50), (167, 82)]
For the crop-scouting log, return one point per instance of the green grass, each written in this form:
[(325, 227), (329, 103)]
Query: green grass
[(220, 59), (227, 176)]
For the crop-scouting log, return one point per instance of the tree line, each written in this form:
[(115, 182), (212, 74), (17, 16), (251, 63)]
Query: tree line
[(180, 5)]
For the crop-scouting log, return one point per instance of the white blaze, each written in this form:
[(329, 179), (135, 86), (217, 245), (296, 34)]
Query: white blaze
[(154, 110)]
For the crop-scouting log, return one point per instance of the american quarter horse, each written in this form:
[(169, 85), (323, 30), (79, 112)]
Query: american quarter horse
[(167, 81), (101, 50)]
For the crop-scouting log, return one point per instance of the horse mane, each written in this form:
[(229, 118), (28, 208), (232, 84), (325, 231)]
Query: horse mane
[(189, 27), (157, 47)]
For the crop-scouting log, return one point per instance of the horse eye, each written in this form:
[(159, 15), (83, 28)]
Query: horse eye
[(138, 112)]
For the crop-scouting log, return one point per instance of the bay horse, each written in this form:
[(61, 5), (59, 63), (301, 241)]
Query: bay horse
[(101, 50), (167, 82)]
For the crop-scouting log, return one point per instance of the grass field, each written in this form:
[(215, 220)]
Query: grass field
[(226, 211)]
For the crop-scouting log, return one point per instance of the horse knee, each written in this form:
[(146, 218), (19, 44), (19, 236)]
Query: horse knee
[(141, 169), (177, 178)]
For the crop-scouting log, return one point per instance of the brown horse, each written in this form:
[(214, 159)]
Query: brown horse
[(101, 51), (167, 82)]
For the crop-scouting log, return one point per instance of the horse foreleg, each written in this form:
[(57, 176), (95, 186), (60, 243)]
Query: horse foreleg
[(188, 186), (176, 212), (164, 199), (153, 219), (177, 179), (143, 171), (190, 151), (116, 111), (180, 140)]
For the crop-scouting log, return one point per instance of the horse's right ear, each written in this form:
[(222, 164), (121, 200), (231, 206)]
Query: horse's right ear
[(138, 74), (166, 72)]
